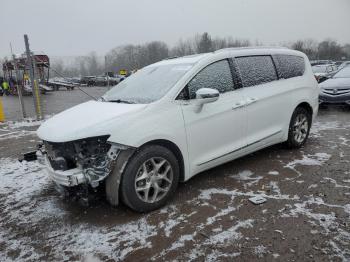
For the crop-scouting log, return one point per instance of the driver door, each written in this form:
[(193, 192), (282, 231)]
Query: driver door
[(215, 131)]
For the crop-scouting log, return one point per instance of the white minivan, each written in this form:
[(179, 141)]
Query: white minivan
[(176, 118)]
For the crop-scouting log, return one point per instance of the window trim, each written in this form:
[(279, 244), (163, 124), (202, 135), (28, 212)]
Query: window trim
[(237, 80), (187, 91), (239, 72)]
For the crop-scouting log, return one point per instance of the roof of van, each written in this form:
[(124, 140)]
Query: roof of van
[(235, 51)]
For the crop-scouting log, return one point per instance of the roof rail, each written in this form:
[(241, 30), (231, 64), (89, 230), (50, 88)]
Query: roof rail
[(250, 47), (171, 57)]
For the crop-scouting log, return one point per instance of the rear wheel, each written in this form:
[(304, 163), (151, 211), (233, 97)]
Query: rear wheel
[(299, 127), (150, 178)]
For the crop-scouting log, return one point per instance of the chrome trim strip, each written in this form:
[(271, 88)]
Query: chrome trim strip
[(238, 149)]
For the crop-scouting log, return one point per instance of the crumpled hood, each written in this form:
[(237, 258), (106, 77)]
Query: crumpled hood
[(336, 83), (85, 120)]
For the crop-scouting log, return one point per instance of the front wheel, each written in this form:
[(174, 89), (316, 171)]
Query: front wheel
[(299, 127), (150, 178)]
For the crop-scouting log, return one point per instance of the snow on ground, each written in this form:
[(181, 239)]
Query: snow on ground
[(212, 222), (273, 173), (27, 122), (318, 128), (247, 177), (21, 200), (16, 134), (310, 160)]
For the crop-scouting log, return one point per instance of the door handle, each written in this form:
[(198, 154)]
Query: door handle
[(239, 105), (251, 100)]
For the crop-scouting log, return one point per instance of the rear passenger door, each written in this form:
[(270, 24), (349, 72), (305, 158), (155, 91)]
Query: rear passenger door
[(265, 99)]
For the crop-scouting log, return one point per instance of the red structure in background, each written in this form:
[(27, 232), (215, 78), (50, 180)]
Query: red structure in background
[(42, 65)]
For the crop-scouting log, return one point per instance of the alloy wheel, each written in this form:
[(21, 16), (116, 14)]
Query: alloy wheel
[(300, 128), (153, 180)]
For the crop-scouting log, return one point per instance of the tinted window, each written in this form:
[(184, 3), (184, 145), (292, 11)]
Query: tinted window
[(256, 70), (289, 66), (217, 76)]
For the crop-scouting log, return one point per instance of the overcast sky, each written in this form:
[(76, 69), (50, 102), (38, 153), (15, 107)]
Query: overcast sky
[(76, 27)]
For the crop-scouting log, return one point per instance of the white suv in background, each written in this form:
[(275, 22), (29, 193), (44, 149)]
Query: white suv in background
[(178, 117)]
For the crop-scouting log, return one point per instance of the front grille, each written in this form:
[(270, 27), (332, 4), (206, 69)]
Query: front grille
[(336, 92)]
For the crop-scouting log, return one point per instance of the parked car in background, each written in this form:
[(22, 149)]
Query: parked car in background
[(343, 64), (103, 80), (323, 72), (88, 80), (176, 118), (336, 90), (62, 82), (321, 62)]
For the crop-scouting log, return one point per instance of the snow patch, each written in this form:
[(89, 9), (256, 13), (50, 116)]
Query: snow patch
[(273, 173), (246, 175), (260, 251), (317, 159), (231, 234), (207, 194)]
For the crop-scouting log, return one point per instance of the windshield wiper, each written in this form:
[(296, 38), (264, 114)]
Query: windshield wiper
[(120, 101)]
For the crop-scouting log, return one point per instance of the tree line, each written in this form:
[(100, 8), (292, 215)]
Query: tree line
[(132, 56)]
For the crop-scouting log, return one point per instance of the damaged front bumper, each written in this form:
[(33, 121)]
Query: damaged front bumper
[(87, 161), (68, 178)]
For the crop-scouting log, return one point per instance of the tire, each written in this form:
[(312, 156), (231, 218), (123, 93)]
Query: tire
[(299, 128), (154, 166)]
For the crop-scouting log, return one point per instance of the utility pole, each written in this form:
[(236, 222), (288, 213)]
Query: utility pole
[(19, 88), (33, 81), (106, 71)]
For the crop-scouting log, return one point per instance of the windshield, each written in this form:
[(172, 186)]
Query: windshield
[(148, 84), (344, 73)]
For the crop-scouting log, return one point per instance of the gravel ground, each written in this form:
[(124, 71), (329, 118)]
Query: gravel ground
[(306, 216)]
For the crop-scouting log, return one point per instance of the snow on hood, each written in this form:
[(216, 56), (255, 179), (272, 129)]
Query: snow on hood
[(336, 83), (84, 120)]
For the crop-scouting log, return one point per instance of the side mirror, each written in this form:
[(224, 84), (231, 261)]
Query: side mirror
[(207, 95)]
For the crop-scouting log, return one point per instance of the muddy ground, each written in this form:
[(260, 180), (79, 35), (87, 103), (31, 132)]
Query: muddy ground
[(306, 216)]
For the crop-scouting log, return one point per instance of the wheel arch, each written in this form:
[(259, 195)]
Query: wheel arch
[(174, 149), (306, 106)]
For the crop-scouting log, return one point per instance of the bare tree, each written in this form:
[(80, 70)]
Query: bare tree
[(131, 57), (330, 49), (307, 46), (203, 43), (183, 48)]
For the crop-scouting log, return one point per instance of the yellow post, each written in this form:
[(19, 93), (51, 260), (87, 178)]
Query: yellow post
[(38, 102), (2, 114)]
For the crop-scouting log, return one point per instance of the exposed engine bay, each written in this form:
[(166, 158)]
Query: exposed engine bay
[(93, 156)]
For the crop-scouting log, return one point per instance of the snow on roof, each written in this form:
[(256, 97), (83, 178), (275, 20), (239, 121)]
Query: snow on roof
[(234, 51), (250, 48), (258, 50), (191, 59)]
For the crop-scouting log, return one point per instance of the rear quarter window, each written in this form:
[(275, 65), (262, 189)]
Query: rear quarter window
[(289, 66), (256, 70)]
